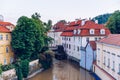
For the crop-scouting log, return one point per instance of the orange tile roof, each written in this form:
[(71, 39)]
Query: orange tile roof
[(85, 29), (4, 29), (5, 23), (93, 45), (113, 39)]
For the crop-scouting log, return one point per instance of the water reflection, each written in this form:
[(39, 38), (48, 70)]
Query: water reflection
[(63, 70)]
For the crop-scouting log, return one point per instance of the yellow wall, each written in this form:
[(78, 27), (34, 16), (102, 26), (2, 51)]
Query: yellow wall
[(3, 44)]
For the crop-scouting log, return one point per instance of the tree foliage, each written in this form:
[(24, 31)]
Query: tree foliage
[(29, 36), (25, 68), (114, 22), (102, 19), (0, 69), (18, 68), (24, 37)]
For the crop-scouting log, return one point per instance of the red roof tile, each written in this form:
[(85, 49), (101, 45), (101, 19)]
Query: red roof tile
[(113, 39), (4, 29), (3, 26), (5, 23), (86, 27), (93, 45), (67, 34)]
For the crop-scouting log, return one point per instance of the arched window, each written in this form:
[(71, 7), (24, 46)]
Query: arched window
[(102, 31), (92, 31)]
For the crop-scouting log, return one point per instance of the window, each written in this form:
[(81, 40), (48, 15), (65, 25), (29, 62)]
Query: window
[(11, 60), (113, 66), (69, 46), (7, 49), (87, 39), (91, 31), (108, 63), (75, 31), (119, 69), (79, 31), (7, 37), (1, 37), (74, 38), (104, 60), (69, 39), (102, 31), (95, 38), (5, 62), (98, 54), (78, 48)]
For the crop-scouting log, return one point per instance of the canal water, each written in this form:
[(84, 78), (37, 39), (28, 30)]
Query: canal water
[(63, 70)]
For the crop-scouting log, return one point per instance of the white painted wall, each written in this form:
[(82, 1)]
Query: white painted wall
[(101, 54)]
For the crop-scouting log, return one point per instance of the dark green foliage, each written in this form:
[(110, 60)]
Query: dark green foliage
[(48, 25), (23, 38), (18, 70), (114, 23), (25, 68), (102, 19), (0, 69), (46, 60), (7, 67), (45, 48)]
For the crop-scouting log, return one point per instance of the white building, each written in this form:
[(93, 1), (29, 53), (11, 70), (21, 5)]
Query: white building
[(88, 56), (107, 65), (78, 33), (55, 32)]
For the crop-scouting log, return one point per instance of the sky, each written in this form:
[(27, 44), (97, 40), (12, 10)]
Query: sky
[(56, 10)]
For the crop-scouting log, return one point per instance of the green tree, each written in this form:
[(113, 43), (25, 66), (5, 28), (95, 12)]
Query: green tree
[(18, 70), (25, 68), (0, 69), (102, 19), (114, 22), (24, 37), (48, 25)]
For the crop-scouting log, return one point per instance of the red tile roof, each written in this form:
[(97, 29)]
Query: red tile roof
[(85, 29), (67, 34), (3, 27), (93, 45), (113, 39), (59, 27), (5, 23)]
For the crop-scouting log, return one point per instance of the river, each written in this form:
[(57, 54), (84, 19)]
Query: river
[(63, 70)]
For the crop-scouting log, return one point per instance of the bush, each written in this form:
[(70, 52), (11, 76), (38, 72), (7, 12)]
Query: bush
[(25, 68), (0, 69), (7, 67), (46, 60), (18, 70)]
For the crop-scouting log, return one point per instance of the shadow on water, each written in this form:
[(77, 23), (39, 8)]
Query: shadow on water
[(63, 70)]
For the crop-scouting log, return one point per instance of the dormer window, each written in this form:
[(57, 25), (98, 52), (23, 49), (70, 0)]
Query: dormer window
[(79, 31), (102, 31), (92, 31), (75, 31)]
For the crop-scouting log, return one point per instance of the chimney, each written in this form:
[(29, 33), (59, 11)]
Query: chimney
[(96, 21), (1, 18)]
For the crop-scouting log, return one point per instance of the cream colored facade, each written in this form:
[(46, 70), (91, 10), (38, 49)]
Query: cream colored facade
[(108, 61), (6, 53)]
